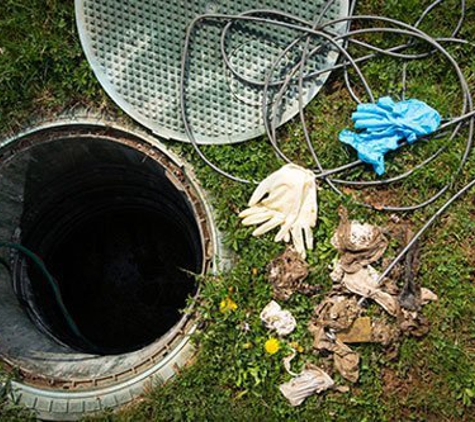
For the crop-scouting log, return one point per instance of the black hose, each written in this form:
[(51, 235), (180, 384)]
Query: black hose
[(340, 42)]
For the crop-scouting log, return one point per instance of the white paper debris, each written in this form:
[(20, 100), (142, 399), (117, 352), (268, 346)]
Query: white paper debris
[(308, 382), (428, 296), (364, 283), (277, 319)]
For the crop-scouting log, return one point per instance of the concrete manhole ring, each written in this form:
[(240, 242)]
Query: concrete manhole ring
[(98, 202)]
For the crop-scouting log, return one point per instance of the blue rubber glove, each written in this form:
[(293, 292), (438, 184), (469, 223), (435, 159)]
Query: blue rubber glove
[(385, 124)]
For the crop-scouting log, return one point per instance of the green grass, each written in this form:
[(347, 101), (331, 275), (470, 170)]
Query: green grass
[(43, 71)]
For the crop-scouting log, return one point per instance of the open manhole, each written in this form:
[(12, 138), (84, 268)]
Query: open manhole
[(122, 227)]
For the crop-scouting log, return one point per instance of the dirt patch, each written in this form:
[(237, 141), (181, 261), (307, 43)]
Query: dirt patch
[(394, 385), (406, 392)]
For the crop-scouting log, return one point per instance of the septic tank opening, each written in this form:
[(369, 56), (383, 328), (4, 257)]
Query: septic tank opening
[(118, 237)]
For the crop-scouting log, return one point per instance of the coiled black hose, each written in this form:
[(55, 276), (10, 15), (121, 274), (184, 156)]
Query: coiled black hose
[(321, 30)]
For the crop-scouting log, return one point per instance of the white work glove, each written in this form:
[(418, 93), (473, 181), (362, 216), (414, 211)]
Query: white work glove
[(306, 220), (286, 198)]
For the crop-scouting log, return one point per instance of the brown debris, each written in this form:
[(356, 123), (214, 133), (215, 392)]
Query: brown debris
[(365, 330), (337, 312), (320, 339), (359, 244), (410, 296), (428, 296), (346, 360), (286, 274), (414, 324), (342, 389), (359, 332), (383, 332), (339, 320), (363, 283)]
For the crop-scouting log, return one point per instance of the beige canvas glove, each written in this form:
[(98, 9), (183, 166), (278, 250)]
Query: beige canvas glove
[(287, 198)]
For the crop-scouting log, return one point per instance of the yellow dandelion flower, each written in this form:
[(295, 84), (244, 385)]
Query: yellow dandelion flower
[(297, 347), (272, 346), (227, 305)]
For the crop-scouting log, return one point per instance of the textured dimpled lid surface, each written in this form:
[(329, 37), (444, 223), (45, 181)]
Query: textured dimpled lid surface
[(135, 47)]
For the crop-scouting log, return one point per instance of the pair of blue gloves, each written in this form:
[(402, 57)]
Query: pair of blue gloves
[(385, 125)]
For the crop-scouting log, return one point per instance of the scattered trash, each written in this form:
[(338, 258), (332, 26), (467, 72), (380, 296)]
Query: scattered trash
[(364, 283), (288, 361), (284, 200), (385, 124), (346, 360), (287, 198), (336, 312), (277, 319), (384, 332), (414, 323), (312, 380), (359, 244), (286, 274), (339, 319), (359, 332), (368, 330), (428, 296)]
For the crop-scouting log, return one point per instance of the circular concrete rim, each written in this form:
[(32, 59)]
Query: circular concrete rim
[(71, 399), (179, 135)]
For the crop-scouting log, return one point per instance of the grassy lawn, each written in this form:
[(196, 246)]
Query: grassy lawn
[(43, 72)]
